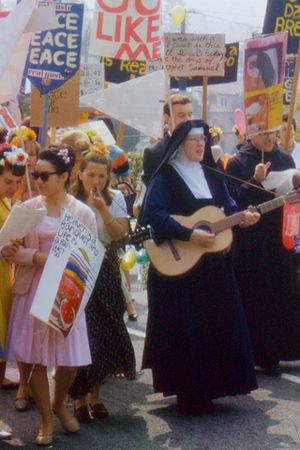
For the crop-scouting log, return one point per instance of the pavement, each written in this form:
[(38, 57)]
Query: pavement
[(268, 419)]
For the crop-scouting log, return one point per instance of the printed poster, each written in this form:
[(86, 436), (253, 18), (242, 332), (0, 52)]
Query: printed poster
[(127, 29), (263, 82), (69, 275), (54, 56)]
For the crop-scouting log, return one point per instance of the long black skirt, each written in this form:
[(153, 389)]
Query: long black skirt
[(111, 348), (197, 341)]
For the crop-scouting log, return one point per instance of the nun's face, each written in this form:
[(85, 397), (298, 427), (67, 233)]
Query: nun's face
[(194, 146)]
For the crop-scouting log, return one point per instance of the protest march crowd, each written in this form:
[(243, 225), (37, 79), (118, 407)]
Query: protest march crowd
[(216, 235)]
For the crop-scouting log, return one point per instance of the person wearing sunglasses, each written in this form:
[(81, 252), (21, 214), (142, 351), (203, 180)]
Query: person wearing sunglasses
[(30, 342)]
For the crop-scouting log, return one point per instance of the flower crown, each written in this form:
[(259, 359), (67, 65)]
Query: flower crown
[(63, 153), (27, 134), (13, 156), (215, 130)]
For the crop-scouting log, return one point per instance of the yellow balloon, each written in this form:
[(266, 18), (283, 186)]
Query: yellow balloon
[(129, 259), (178, 15)]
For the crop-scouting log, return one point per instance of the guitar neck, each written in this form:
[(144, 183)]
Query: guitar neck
[(236, 219)]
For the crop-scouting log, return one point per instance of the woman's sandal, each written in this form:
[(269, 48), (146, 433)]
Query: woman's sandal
[(99, 411)]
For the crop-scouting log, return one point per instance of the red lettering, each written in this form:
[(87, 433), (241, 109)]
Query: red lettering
[(125, 52), (129, 29), (113, 9), (152, 29), (99, 34), (156, 47), (144, 11), (118, 28)]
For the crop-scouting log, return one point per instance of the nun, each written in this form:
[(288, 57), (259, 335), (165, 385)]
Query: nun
[(197, 341)]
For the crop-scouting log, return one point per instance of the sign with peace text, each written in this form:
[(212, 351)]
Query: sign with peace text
[(69, 275), (54, 56), (127, 29), (230, 75), (284, 15), (194, 54)]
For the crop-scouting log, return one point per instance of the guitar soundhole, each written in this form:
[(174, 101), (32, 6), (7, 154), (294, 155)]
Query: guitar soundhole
[(205, 226)]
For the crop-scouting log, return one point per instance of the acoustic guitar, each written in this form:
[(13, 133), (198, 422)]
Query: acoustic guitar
[(173, 257)]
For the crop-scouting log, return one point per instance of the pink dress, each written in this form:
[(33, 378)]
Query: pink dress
[(31, 341)]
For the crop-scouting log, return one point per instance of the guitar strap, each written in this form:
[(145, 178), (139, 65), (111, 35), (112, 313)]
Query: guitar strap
[(240, 180)]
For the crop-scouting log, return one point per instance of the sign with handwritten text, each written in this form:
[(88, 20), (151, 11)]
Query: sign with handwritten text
[(194, 54), (54, 55), (128, 30), (91, 78), (63, 105), (69, 275)]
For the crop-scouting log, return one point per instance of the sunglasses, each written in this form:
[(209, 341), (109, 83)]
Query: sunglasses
[(44, 176)]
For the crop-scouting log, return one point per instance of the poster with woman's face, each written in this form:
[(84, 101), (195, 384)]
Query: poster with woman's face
[(263, 82)]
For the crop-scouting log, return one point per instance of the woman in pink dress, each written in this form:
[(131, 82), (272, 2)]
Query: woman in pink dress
[(31, 342)]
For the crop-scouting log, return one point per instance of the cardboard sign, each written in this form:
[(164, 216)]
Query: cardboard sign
[(230, 75), (194, 54), (91, 78), (284, 15), (54, 56), (129, 30), (63, 107), (69, 275), (263, 82)]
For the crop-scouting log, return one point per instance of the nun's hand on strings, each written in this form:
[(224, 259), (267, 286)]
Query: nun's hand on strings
[(260, 172), (9, 251), (202, 237), (96, 200), (251, 217)]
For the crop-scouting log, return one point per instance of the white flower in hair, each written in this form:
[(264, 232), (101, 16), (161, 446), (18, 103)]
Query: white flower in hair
[(15, 157), (64, 153)]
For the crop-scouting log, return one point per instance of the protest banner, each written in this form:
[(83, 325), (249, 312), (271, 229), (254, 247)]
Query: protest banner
[(54, 56), (263, 82), (131, 30), (281, 16), (91, 78), (137, 103), (119, 71), (69, 275), (63, 105), (230, 75), (192, 54)]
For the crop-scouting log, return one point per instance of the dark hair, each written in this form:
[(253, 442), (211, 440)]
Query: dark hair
[(77, 188), (3, 135), (285, 118), (175, 99), (265, 66), (62, 162), (17, 170)]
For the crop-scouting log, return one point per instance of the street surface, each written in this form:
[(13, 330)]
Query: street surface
[(268, 419)]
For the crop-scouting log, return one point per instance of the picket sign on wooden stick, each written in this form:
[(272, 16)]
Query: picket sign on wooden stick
[(204, 98), (53, 135), (45, 119), (293, 100)]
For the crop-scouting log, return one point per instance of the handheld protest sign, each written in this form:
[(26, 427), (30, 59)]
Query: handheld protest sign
[(54, 55)]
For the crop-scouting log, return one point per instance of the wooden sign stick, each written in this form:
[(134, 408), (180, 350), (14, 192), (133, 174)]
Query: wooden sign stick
[(204, 98), (293, 100)]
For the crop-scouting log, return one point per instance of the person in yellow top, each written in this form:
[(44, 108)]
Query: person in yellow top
[(12, 169)]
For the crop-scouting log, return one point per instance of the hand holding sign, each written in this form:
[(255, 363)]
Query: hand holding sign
[(260, 172)]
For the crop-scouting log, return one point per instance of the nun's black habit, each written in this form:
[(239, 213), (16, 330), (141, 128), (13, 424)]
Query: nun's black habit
[(197, 342)]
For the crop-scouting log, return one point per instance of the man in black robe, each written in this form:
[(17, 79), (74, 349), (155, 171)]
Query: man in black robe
[(153, 155), (266, 271)]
